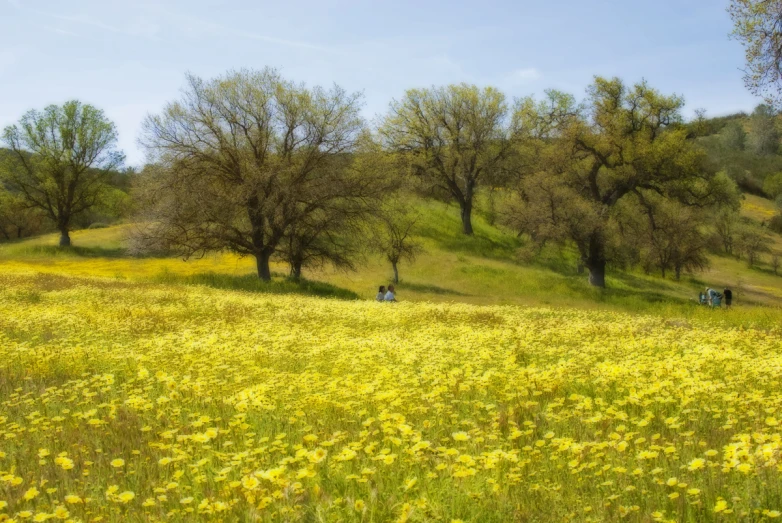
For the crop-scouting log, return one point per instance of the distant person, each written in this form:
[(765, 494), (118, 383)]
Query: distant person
[(728, 297), (390, 296), (714, 297), (381, 293)]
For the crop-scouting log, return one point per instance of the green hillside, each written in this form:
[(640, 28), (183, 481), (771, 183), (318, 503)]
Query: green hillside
[(492, 267)]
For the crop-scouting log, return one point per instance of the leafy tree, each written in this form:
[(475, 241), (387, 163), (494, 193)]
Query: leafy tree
[(328, 236), (772, 185), (727, 226), (17, 218), (757, 25), (394, 236), (668, 235), (700, 124), (621, 143), (454, 138), (62, 158), (733, 136), (247, 158), (752, 241), (764, 136)]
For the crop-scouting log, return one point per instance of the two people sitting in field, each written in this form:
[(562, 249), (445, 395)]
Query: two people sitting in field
[(714, 298), (385, 295)]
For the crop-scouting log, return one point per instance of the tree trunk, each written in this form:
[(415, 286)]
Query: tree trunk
[(65, 237), (262, 264), (596, 263), (678, 273), (296, 270), (662, 270), (467, 218), (396, 272)]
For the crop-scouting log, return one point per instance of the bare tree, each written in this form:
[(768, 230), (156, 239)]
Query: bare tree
[(62, 158), (243, 158), (775, 264)]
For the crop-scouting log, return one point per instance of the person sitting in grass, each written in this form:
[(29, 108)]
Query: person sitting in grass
[(381, 293), (702, 298), (390, 296), (714, 297), (728, 297)]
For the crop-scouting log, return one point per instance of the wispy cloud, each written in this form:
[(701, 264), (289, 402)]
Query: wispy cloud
[(195, 25), (281, 41), (60, 31), (523, 76), (138, 27)]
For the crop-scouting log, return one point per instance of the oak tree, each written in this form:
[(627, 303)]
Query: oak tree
[(62, 159)]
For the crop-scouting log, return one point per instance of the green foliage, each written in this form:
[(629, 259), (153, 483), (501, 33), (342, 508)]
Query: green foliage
[(764, 135), (756, 27), (734, 137), (453, 138), (623, 144), (248, 160), (17, 219), (772, 185), (62, 158)]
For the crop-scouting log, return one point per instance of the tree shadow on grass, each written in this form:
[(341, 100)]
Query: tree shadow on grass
[(80, 251), (431, 289), (251, 283)]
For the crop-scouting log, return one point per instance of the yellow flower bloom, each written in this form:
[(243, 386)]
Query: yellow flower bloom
[(126, 497)]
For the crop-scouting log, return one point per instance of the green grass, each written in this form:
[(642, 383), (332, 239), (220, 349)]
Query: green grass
[(493, 266)]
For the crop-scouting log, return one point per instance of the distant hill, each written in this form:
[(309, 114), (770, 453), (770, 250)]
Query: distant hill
[(748, 147)]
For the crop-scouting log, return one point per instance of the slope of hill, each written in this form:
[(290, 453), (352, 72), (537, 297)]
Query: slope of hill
[(493, 267)]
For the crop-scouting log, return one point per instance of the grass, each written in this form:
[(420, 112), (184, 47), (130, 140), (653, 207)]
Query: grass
[(493, 266)]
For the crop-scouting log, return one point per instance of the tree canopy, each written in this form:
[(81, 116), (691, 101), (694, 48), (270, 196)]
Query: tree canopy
[(452, 137), (758, 26), (247, 158), (620, 144), (62, 158)]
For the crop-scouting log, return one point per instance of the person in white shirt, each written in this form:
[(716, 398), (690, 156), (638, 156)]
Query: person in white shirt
[(390, 296), (381, 293)]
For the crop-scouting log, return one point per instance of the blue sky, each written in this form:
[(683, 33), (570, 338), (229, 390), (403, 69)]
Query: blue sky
[(129, 57)]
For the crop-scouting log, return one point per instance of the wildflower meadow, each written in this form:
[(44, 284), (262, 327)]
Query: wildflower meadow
[(125, 401)]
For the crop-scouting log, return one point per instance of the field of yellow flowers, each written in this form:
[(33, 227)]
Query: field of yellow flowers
[(138, 402)]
